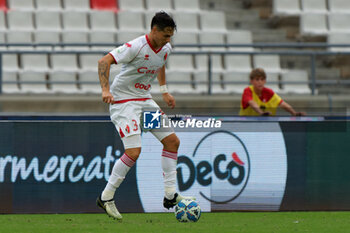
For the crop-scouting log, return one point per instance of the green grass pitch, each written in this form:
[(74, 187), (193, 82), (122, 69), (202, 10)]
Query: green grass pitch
[(268, 222)]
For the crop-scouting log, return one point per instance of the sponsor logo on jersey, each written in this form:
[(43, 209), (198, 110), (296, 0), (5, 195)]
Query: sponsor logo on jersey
[(165, 56), (146, 57), (142, 86), (145, 70)]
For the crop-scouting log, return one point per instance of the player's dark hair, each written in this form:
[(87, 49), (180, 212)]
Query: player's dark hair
[(162, 20), (257, 72)]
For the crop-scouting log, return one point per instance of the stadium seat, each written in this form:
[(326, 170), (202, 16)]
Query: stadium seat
[(10, 62), (105, 5), (185, 38), (286, 7), (46, 37), (201, 82), (201, 62), (20, 20), (186, 21), (213, 21), (34, 62), (178, 82), (297, 76), (208, 38), (216, 59), (72, 37), (21, 5), (272, 81), (131, 5), (157, 5), (48, 20), (63, 81), (270, 63), (340, 6), (124, 36), (10, 68), (103, 37), (339, 22), (64, 62), (313, 24), (102, 21), (89, 82), (339, 38), (33, 82), (34, 69), (235, 82), (314, 6), (89, 62), (52, 37), (239, 37), (75, 21), (77, 5), (185, 5), (2, 21), (180, 63), (130, 21), (9, 82), (63, 75), (237, 63), (48, 5), (24, 37)]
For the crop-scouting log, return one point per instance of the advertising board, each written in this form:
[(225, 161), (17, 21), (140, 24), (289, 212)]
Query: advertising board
[(225, 170)]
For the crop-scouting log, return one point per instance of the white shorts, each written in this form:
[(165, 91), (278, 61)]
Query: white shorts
[(128, 122)]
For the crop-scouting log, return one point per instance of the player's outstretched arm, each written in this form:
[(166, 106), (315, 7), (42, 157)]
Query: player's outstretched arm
[(104, 65), (257, 109), (167, 97), (290, 109)]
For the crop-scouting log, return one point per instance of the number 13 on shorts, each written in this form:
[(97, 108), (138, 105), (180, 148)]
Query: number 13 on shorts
[(131, 128)]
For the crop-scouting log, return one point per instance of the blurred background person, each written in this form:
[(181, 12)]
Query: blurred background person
[(258, 100)]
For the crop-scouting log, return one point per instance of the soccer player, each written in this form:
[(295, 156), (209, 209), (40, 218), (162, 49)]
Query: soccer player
[(143, 59), (258, 100)]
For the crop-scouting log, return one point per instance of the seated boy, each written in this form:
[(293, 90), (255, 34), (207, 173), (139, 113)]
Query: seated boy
[(258, 100)]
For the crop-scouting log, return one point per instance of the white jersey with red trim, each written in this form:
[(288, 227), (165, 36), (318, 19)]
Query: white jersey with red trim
[(140, 66)]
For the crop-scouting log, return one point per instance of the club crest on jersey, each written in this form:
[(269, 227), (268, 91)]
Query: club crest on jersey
[(146, 57)]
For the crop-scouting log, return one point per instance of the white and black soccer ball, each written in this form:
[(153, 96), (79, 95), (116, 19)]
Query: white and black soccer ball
[(187, 210)]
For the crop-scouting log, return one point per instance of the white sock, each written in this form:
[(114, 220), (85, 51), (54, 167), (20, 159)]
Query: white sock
[(169, 162), (119, 171)]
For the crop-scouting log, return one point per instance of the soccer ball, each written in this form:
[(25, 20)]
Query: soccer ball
[(187, 210)]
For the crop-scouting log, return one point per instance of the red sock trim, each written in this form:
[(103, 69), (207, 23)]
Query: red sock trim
[(127, 160), (168, 154)]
